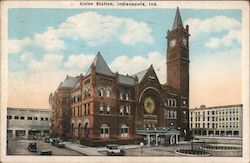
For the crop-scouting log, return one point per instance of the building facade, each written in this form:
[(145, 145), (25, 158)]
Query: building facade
[(217, 121), (26, 123), (104, 106)]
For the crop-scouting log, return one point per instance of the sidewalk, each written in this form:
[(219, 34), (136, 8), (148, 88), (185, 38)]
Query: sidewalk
[(94, 151), (89, 151)]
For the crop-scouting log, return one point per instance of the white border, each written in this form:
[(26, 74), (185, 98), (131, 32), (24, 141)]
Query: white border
[(243, 5)]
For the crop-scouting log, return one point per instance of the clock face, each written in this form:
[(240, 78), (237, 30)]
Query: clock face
[(184, 41), (172, 43), (149, 105)]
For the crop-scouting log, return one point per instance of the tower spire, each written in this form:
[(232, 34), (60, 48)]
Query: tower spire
[(177, 20)]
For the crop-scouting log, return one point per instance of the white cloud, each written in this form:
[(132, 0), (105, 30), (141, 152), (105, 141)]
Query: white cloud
[(26, 56), (227, 40), (90, 27), (79, 61), (49, 62), (96, 29), (49, 40), (16, 46), (214, 24), (125, 65)]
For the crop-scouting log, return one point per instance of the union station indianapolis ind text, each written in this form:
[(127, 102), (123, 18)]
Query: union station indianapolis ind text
[(103, 107)]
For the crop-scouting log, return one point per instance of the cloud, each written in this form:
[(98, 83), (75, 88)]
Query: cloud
[(16, 46), (139, 63), (49, 62), (96, 29), (214, 24), (50, 40), (79, 61), (25, 56), (226, 40)]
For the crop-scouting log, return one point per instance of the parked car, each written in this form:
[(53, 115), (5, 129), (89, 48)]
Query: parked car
[(46, 152), (32, 147), (46, 139), (54, 141), (60, 144), (114, 150)]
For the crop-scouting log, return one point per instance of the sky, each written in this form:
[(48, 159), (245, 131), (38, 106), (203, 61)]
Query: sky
[(45, 45)]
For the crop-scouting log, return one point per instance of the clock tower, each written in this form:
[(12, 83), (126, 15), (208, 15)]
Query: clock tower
[(178, 70)]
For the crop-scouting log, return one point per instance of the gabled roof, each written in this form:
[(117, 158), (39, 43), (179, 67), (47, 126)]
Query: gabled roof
[(129, 80), (177, 20), (69, 82), (140, 75), (100, 65)]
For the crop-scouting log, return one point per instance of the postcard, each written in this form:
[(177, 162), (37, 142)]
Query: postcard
[(124, 81)]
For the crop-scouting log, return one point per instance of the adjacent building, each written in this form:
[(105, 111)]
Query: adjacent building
[(105, 106), (217, 121), (25, 123)]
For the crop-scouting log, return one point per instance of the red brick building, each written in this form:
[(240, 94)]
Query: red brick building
[(102, 106)]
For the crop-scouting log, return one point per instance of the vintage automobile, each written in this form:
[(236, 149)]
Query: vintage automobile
[(60, 144), (54, 141), (46, 139), (114, 150), (32, 147), (46, 152)]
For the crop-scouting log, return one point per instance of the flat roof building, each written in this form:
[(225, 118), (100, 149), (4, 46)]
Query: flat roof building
[(217, 121), (26, 122)]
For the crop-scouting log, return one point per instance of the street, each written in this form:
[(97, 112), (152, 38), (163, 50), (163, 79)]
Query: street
[(19, 147)]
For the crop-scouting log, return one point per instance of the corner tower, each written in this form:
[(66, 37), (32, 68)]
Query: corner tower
[(178, 69)]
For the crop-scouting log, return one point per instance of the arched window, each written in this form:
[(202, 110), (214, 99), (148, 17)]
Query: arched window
[(127, 96), (101, 108), (174, 102), (104, 131), (121, 96), (108, 109), (127, 110), (171, 114), (101, 92), (122, 110), (124, 130), (108, 93), (170, 102)]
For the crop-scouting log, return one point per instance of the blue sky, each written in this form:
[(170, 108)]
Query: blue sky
[(55, 42)]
